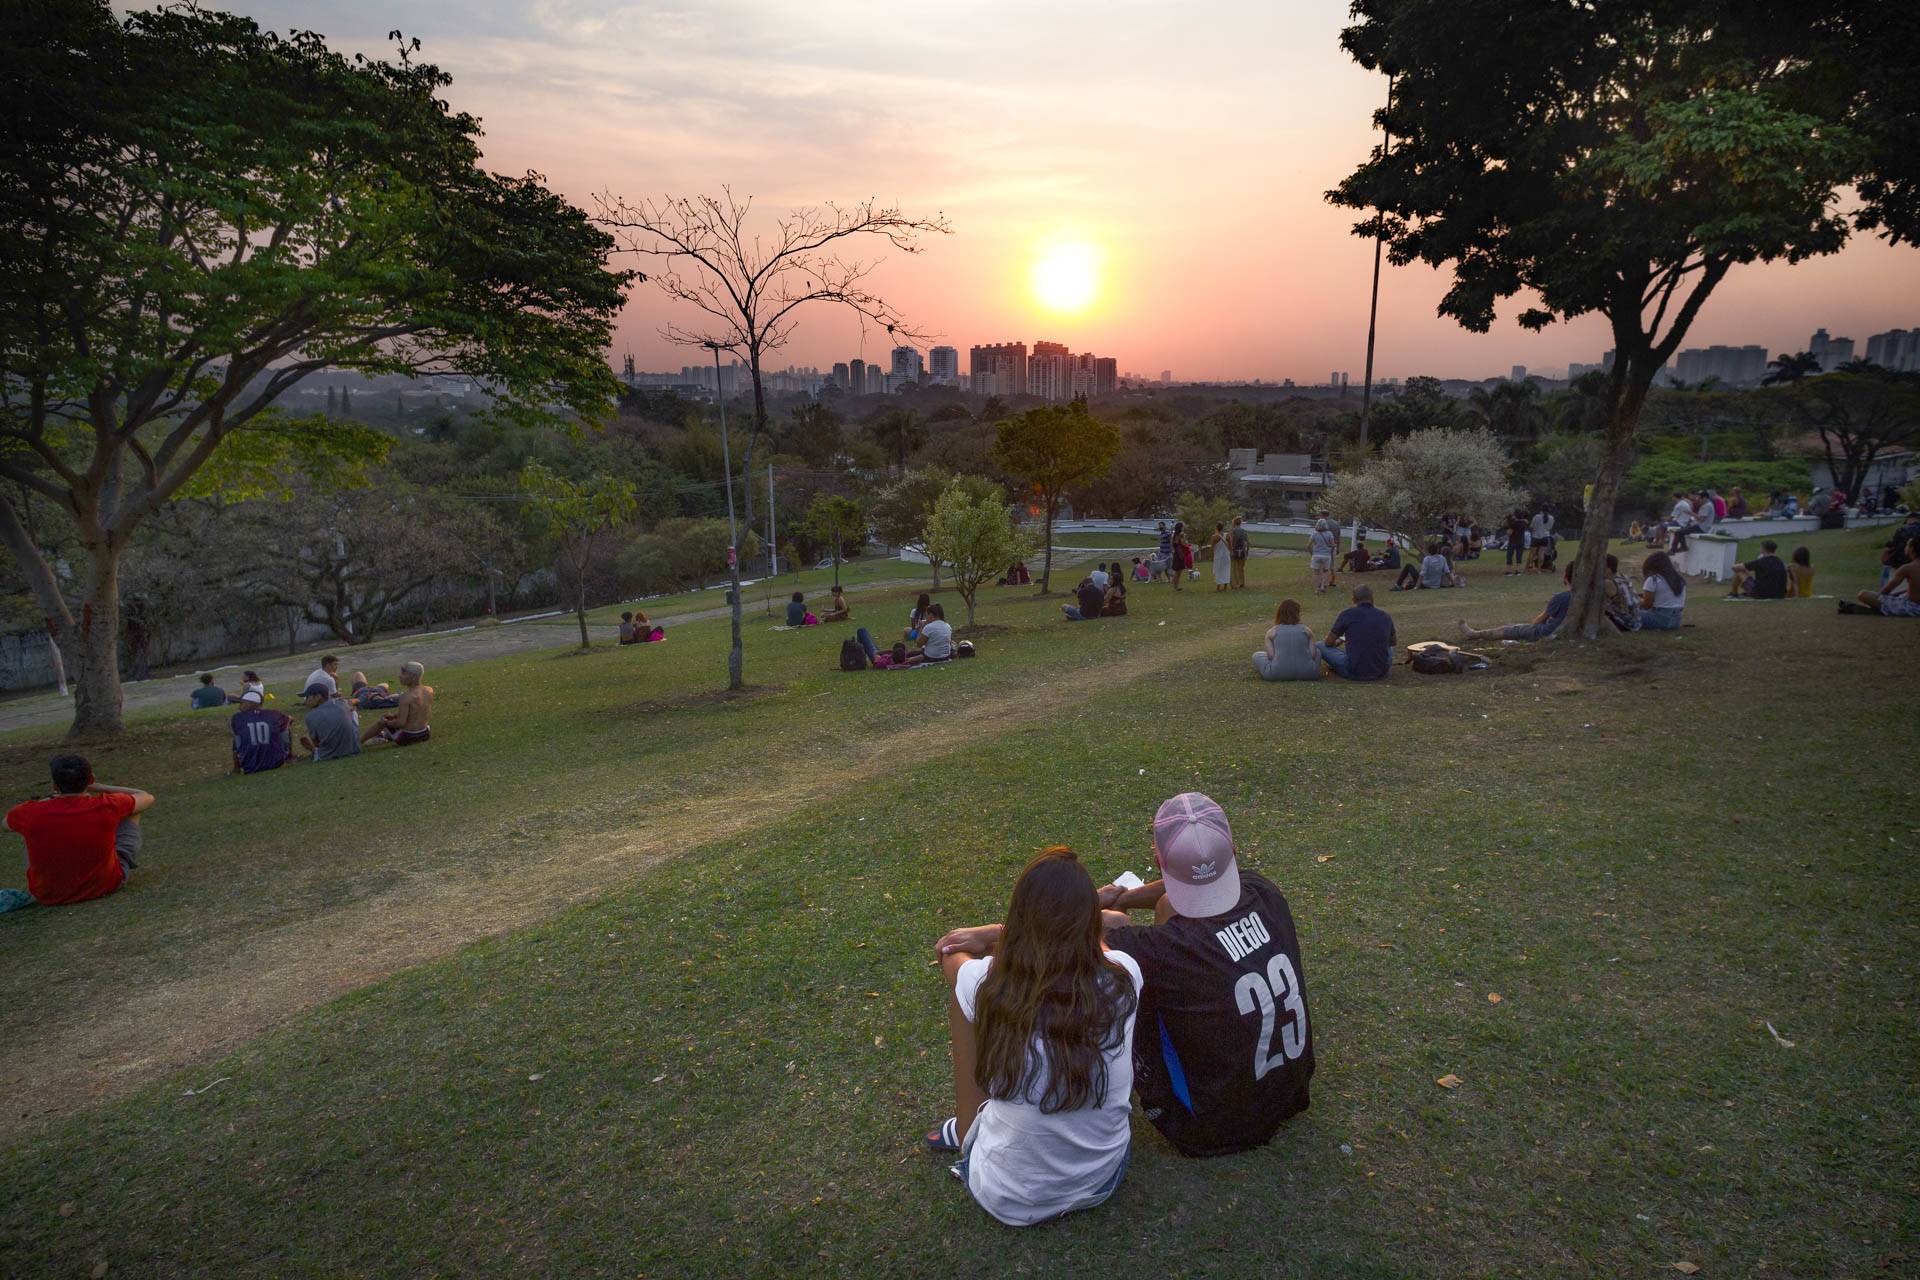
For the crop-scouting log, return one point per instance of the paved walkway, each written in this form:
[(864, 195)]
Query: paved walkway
[(381, 658)]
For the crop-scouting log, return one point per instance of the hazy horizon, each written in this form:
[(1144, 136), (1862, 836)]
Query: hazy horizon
[(1186, 158)]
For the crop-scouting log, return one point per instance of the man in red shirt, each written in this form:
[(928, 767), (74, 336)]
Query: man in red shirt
[(82, 841)]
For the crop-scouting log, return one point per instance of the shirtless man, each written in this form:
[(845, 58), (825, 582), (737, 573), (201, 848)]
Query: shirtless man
[(1888, 599), (411, 721)]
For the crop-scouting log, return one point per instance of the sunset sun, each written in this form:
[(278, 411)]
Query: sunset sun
[(1066, 277)]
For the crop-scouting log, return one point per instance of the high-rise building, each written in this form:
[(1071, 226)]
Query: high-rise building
[(1830, 352), (857, 377), (1896, 349), (999, 369), (1166, 376), (907, 364), (1733, 366), (1050, 371), (1519, 374), (1106, 375), (943, 366), (842, 376), (1333, 378)]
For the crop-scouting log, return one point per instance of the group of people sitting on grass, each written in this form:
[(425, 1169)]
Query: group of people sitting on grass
[(637, 628), (1101, 594), (1359, 645), (263, 737), (928, 638), (1435, 570), (1360, 560), (1063, 1012)]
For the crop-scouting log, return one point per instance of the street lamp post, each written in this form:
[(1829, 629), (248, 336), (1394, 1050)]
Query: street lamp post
[(1373, 307), (734, 662)]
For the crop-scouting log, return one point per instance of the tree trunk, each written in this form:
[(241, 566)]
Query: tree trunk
[(1589, 585), (96, 649), (53, 654), (836, 562), (492, 610), (580, 610), (969, 595), (936, 572), (736, 663)]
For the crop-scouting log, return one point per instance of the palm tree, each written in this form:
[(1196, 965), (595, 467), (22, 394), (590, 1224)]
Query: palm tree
[(1791, 368), (899, 432), (1582, 408), (1509, 409)]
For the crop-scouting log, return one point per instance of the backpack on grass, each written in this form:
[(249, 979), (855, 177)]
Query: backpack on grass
[(852, 656), (964, 649)]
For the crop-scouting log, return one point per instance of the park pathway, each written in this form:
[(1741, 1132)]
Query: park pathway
[(132, 1036)]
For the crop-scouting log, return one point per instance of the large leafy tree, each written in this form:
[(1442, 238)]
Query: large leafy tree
[(1421, 477), (1619, 157), (1858, 416), (1053, 448), (198, 214)]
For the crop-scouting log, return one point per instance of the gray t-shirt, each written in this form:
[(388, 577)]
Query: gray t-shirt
[(335, 730), (938, 635), (1433, 571)]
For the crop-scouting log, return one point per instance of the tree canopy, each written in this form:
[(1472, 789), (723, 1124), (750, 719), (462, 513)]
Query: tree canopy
[(1621, 157), (1053, 448), (1421, 477), (199, 214)]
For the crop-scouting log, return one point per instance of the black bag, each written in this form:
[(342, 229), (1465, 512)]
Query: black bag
[(964, 649), (852, 656)]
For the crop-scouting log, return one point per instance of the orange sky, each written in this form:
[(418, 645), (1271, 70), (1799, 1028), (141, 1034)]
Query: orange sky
[(1188, 145)]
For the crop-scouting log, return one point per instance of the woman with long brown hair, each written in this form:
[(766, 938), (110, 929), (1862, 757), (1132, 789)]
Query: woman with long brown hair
[(1289, 653), (1042, 1052), (1664, 594)]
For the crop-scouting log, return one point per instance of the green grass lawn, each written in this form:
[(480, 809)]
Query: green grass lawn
[(720, 1060)]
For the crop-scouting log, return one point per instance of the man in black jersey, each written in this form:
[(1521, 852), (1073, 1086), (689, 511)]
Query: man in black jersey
[(1223, 1048)]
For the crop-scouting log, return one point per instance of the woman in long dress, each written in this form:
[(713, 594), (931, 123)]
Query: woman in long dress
[(1222, 558)]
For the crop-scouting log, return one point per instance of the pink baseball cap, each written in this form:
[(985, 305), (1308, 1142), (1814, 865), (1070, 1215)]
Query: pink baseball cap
[(1195, 846)]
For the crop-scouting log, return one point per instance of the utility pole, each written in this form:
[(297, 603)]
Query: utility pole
[(734, 663), (1373, 308)]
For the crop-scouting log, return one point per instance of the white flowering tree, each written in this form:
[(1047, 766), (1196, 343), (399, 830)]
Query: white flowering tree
[(1422, 476)]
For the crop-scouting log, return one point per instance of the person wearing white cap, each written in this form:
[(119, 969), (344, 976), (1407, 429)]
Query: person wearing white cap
[(262, 737), (1225, 1047)]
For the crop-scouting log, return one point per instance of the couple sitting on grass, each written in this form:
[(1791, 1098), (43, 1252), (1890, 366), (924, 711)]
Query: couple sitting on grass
[(1101, 594), (930, 627), (798, 615), (635, 628), (1658, 606), (1067, 1008), (1359, 646)]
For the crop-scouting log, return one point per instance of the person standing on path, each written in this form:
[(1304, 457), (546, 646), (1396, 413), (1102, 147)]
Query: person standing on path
[(1238, 548), (1222, 557), (1320, 547)]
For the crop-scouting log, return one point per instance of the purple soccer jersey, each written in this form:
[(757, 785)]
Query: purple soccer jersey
[(260, 739)]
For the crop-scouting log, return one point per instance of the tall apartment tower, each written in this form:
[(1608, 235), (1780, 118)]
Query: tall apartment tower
[(1896, 349), (999, 369), (1830, 352), (1106, 376), (907, 364), (842, 376), (857, 377), (943, 366), (1050, 371)]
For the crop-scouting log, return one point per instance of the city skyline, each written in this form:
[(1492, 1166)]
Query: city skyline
[(1175, 217)]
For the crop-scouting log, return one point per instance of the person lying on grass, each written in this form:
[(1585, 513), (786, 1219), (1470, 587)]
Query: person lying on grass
[(370, 697), (1042, 1029), (262, 737), (409, 722), (81, 842), (333, 730), (1544, 624), (1228, 1050)]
